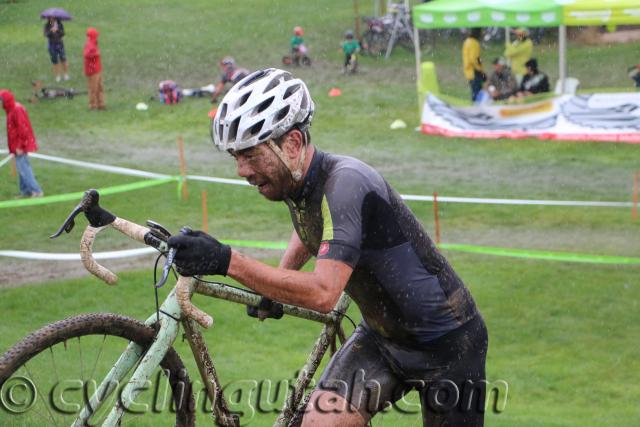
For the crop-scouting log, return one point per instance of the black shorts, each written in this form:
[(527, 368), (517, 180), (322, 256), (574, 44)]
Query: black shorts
[(372, 372), (56, 52)]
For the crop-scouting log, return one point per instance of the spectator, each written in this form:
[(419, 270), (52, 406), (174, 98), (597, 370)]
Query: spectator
[(634, 74), (502, 84), (519, 52), (471, 62), (231, 73), (54, 31), (297, 45), (93, 70), (21, 142), (350, 47), (169, 92), (534, 81)]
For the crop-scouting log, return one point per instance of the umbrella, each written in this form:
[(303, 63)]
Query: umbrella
[(56, 12)]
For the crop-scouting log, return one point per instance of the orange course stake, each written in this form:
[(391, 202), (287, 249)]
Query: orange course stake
[(13, 166), (634, 209), (183, 169), (205, 222), (435, 216)]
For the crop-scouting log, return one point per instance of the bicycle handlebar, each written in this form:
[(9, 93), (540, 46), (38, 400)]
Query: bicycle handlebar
[(184, 287), (156, 236)]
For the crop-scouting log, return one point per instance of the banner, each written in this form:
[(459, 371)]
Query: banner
[(611, 117)]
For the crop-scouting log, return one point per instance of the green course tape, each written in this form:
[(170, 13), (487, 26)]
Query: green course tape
[(485, 250), (76, 196), (544, 255), (258, 244)]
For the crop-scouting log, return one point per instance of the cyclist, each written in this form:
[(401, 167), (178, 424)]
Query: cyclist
[(231, 73), (420, 329)]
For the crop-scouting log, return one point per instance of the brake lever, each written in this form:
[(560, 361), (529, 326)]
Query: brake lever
[(69, 223), (89, 201), (171, 254), (166, 269)]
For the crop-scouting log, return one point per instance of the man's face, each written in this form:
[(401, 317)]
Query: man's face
[(261, 167), (498, 68)]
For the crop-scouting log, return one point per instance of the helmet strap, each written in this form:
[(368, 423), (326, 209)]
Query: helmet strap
[(296, 173)]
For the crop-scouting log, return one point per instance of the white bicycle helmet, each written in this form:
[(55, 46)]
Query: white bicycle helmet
[(262, 106)]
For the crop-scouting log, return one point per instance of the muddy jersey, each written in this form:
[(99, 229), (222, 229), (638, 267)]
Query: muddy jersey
[(405, 289)]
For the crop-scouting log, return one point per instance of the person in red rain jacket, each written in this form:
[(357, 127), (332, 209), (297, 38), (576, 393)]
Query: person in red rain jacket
[(93, 70), (21, 142)]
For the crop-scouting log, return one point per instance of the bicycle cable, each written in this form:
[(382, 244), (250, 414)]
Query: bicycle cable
[(345, 315), (155, 274)]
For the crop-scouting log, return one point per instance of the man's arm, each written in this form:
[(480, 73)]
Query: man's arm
[(296, 254), (317, 290), (217, 91)]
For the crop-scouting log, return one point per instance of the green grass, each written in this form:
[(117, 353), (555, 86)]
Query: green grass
[(563, 336)]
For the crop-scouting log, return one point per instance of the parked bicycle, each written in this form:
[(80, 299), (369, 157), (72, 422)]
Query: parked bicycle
[(84, 353), (385, 32)]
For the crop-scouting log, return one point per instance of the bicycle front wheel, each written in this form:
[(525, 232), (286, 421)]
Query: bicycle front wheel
[(49, 376)]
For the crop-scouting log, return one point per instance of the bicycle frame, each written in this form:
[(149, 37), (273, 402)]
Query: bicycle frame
[(177, 309)]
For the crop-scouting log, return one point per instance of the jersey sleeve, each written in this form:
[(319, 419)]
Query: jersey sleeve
[(342, 215)]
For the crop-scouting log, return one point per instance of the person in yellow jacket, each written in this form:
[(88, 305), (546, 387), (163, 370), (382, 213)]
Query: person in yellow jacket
[(519, 52), (471, 62)]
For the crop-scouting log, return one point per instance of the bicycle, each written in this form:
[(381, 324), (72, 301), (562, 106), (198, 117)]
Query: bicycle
[(149, 351)]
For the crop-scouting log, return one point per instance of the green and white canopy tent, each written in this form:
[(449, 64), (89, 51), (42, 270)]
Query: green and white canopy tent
[(525, 13)]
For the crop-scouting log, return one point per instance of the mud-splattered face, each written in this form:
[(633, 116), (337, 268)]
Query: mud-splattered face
[(261, 167)]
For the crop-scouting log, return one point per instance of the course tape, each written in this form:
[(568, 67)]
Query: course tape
[(542, 255), (5, 160), (259, 244), (77, 196), (411, 197)]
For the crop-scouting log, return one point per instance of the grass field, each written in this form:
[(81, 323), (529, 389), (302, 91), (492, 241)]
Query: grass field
[(564, 336)]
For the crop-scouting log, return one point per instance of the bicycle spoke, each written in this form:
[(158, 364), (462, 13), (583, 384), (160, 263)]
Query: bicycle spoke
[(40, 394), (53, 361), (81, 367), (93, 370)]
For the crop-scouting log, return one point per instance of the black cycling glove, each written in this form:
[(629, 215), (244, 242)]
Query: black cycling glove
[(197, 253)]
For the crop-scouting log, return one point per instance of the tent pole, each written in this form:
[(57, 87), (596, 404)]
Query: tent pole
[(562, 56)]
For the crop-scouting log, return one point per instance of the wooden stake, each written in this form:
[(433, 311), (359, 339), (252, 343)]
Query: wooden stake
[(435, 216), (356, 10), (183, 169), (205, 222), (634, 208), (13, 167)]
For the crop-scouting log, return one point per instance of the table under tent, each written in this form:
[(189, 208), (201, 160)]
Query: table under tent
[(568, 116)]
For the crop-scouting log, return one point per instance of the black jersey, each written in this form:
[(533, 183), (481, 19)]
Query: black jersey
[(405, 289)]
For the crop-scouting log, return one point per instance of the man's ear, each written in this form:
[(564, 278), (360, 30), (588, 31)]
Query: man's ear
[(293, 143)]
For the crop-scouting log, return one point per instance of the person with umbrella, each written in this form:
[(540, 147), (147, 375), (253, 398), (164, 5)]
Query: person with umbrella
[(54, 31)]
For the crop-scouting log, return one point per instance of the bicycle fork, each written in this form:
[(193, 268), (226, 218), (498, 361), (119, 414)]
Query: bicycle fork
[(167, 333)]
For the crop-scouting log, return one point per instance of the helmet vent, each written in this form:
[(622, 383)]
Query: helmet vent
[(223, 111), (243, 99), (233, 129), (252, 78), (282, 113), (253, 130), (290, 91), (265, 135), (273, 83), (264, 105)]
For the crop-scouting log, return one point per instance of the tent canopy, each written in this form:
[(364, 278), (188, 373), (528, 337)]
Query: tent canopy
[(525, 13)]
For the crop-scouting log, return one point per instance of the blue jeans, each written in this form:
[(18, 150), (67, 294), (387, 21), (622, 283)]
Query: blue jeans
[(28, 183), (476, 86)]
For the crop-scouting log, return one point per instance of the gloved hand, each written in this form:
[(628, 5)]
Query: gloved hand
[(267, 308), (197, 253)]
